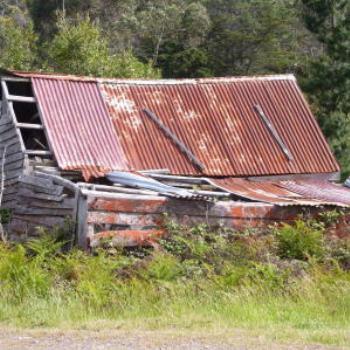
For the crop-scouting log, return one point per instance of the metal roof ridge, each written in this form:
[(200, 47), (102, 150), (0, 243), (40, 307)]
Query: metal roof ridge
[(146, 81), (211, 80)]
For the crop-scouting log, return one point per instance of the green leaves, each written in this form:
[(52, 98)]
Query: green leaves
[(328, 81), (80, 48), (17, 43)]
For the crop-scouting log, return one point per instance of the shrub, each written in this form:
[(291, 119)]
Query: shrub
[(301, 240), (164, 267)]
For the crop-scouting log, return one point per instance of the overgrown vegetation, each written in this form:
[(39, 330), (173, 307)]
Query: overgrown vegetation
[(295, 277)]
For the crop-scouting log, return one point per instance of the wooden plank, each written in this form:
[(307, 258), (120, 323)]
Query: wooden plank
[(273, 132), (16, 80), (11, 133), (14, 118), (28, 193), (53, 190), (126, 219), (5, 120), (37, 153), (180, 145), (43, 211), (26, 99), (6, 127), (35, 181), (29, 126), (58, 180), (36, 203), (5, 90), (13, 166), (11, 182), (36, 220), (9, 197), (82, 227), (11, 142), (11, 189), (13, 158), (11, 174), (11, 148)]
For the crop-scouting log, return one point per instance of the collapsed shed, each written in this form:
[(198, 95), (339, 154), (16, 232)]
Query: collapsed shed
[(114, 155)]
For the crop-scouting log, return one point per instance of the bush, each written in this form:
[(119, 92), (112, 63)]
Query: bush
[(194, 273), (302, 240)]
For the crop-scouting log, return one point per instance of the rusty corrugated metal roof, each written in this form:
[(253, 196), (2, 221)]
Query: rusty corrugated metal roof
[(214, 118), (284, 193), (78, 126), (321, 190)]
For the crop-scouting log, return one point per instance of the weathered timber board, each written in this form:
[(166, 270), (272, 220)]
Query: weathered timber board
[(13, 157), (9, 134), (5, 128), (28, 193), (12, 174), (36, 182), (40, 221), (43, 211), (8, 197), (125, 219), (68, 204), (11, 149), (190, 208), (16, 165), (53, 190)]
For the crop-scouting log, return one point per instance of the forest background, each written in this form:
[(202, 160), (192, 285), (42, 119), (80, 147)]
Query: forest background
[(192, 38)]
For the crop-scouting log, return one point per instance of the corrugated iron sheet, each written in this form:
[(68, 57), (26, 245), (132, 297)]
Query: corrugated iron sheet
[(79, 129), (305, 192), (321, 190), (214, 118), (217, 122)]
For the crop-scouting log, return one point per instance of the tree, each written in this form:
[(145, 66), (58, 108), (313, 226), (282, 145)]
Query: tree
[(328, 78), (79, 47), (17, 38), (254, 37)]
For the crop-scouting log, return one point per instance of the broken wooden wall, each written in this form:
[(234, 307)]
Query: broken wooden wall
[(117, 212), (42, 200), (12, 155)]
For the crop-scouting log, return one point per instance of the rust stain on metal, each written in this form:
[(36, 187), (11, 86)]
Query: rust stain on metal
[(223, 130), (321, 190), (306, 192), (127, 205), (96, 125), (78, 126)]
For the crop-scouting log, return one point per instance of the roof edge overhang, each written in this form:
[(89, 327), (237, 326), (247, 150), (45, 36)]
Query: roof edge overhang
[(141, 81)]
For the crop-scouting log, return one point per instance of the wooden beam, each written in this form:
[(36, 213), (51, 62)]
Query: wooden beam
[(273, 132), (16, 80), (25, 99), (181, 146), (5, 90), (29, 126), (37, 153)]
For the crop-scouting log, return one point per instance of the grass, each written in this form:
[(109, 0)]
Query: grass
[(289, 283)]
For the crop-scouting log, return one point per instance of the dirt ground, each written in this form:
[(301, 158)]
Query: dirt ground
[(155, 340)]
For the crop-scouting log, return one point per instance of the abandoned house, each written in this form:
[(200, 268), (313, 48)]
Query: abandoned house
[(115, 155)]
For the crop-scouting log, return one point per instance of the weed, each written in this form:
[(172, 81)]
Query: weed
[(302, 240), (290, 277)]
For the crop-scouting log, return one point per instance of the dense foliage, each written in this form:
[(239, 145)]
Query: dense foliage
[(191, 38), (295, 276)]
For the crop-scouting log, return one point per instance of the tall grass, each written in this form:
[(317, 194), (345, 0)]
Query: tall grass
[(197, 279)]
